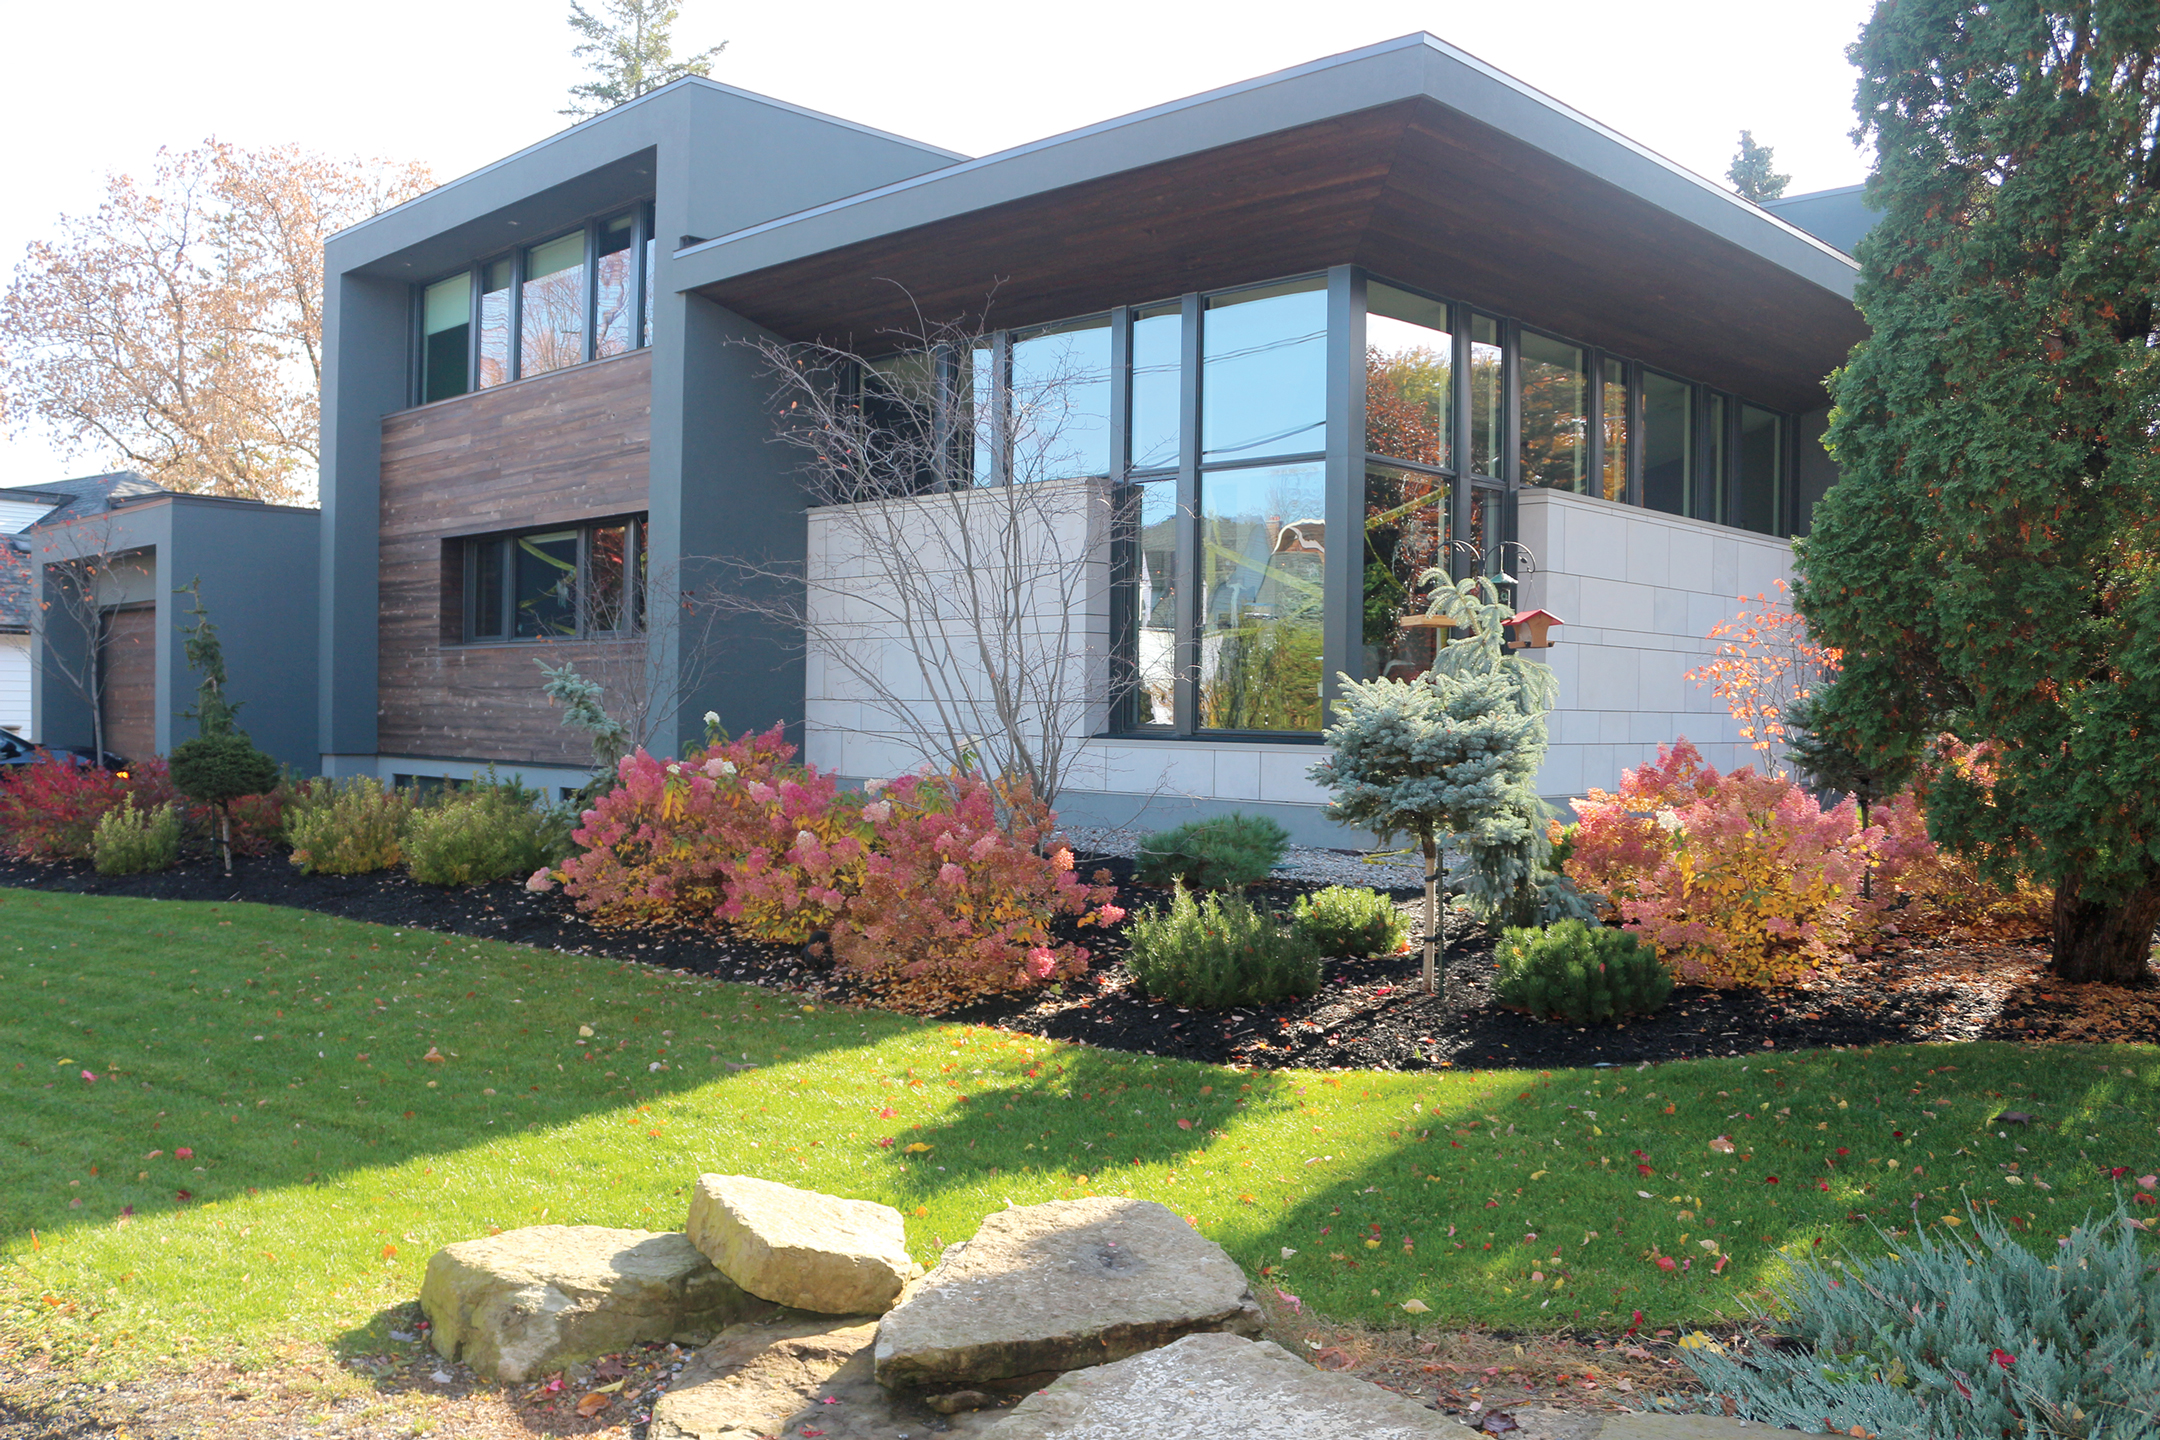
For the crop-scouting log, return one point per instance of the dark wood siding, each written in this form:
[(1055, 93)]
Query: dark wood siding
[(551, 450), (128, 670)]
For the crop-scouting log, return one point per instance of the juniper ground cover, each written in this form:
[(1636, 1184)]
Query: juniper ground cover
[(225, 1126)]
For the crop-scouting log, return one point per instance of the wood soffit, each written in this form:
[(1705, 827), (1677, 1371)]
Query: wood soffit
[(1413, 191)]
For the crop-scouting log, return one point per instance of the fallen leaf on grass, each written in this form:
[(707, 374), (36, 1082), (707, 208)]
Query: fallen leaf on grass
[(1417, 1307), (1723, 1145)]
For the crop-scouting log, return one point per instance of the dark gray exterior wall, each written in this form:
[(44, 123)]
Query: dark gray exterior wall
[(711, 159), (258, 565), (1835, 217)]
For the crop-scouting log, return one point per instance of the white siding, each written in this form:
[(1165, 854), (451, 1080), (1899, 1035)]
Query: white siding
[(15, 685), (18, 515)]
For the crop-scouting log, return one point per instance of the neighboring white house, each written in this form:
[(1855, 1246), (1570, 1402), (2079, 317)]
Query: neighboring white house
[(19, 510)]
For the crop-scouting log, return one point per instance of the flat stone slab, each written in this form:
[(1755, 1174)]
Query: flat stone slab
[(799, 1248), (795, 1375), (1220, 1385), (1053, 1287), (520, 1304)]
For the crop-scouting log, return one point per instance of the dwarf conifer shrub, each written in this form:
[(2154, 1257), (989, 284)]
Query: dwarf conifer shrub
[(1350, 921), (487, 832), (1584, 973), (1215, 951), (135, 842), (1224, 852), (349, 828), (1962, 1337)]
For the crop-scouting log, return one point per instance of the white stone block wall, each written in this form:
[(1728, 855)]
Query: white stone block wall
[(1639, 592)]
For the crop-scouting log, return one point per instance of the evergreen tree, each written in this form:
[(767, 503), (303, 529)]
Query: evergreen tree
[(1751, 174), (1451, 756), (220, 765), (1987, 563), (629, 52)]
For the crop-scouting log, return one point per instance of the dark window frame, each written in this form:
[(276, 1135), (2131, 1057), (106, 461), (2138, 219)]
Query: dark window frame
[(641, 233), (636, 582)]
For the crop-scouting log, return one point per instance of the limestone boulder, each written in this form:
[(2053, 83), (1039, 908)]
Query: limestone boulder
[(800, 1248), (1220, 1384), (520, 1304), (792, 1376), (1053, 1287)]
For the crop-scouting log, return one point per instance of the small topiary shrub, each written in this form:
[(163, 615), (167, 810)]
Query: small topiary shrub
[(1225, 852), (349, 828), (135, 842), (215, 770), (489, 831), (1216, 951), (1584, 973), (1960, 1336), (1351, 922)]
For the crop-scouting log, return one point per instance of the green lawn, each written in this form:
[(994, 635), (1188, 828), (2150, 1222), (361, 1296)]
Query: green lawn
[(330, 1156)]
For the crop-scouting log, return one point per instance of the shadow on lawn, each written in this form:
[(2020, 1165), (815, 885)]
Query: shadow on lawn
[(204, 1027)]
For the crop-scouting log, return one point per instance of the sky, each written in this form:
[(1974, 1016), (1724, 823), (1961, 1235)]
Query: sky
[(458, 83)]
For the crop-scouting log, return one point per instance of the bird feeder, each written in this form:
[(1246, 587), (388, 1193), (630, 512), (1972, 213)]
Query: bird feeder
[(1533, 629)]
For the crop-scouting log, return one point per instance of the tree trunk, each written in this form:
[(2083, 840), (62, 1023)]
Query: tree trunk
[(225, 837), (2105, 943), (1431, 846)]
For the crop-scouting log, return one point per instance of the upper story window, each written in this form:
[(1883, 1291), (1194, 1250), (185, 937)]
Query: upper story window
[(580, 296)]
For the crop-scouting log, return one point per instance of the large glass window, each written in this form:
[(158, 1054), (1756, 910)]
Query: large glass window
[(1709, 497), (551, 306), (582, 296), (1668, 426), (1613, 402), (495, 278), (1154, 591), (445, 338), (615, 316), (1061, 402), (1488, 417), (1409, 368), (1407, 528), (1157, 394), (1263, 373), (1555, 414), (568, 582), (1263, 545), (1759, 499)]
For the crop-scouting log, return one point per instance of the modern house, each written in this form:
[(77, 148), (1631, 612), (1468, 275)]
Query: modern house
[(105, 627), (1394, 300)]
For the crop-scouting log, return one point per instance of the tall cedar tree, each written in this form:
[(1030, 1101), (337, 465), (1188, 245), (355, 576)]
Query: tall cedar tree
[(1751, 174), (1990, 562), (629, 52)]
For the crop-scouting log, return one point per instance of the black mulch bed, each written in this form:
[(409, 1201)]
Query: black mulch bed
[(1369, 1014)]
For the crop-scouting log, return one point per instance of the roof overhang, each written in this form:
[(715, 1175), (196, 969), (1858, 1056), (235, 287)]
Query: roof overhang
[(1410, 158)]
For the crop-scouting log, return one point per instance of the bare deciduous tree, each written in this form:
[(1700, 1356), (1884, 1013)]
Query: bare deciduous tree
[(68, 613), (958, 578), (177, 330)]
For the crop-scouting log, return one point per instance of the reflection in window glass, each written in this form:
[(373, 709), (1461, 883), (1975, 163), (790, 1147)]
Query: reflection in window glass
[(1154, 605), (1614, 403), (1061, 402), (976, 396), (1264, 373), (615, 290), (1263, 546), (652, 254), (545, 584), (551, 306), (1485, 529), (1487, 420), (1409, 361), (604, 576), (1668, 423), (899, 395), (1709, 496), (487, 590), (1157, 356), (446, 329), (1760, 496), (1555, 414), (494, 322), (1407, 517)]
